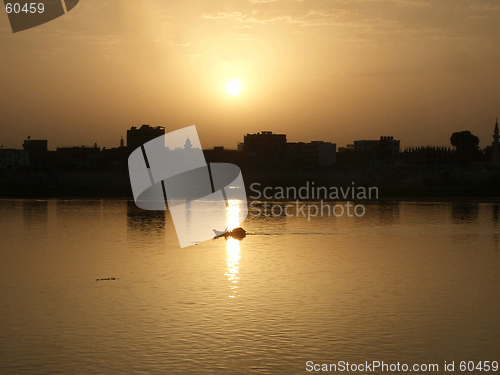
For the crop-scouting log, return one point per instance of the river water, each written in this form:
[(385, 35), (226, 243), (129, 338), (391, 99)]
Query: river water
[(408, 282)]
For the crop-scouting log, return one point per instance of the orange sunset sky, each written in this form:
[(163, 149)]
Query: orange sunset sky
[(333, 70)]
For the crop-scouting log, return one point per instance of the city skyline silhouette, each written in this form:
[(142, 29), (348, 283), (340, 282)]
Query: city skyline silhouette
[(334, 71)]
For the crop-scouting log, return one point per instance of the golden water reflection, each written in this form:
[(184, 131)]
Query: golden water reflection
[(233, 247)]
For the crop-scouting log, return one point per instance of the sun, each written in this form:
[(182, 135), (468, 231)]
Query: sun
[(233, 87)]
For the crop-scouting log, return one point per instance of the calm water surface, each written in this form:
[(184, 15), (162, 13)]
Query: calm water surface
[(408, 282)]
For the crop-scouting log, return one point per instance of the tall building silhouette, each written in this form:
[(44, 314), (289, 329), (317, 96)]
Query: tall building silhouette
[(137, 137), (495, 160), (265, 150)]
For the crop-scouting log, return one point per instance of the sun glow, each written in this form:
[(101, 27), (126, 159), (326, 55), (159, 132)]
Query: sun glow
[(233, 87)]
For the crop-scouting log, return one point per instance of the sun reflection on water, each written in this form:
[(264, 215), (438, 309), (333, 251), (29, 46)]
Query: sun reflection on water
[(233, 247)]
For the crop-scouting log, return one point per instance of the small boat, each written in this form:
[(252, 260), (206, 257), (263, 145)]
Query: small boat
[(237, 233), (219, 233)]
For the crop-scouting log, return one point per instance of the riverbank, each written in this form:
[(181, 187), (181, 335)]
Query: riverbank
[(117, 185)]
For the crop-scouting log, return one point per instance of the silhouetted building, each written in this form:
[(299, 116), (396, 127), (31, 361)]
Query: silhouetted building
[(80, 159), (114, 159), (188, 145), (11, 159), (312, 155), (137, 137), (35, 145), (429, 156), (347, 148), (38, 152), (221, 155), (386, 145), (365, 145), (495, 159), (265, 149)]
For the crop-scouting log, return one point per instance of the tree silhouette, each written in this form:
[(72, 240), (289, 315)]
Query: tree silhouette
[(467, 146)]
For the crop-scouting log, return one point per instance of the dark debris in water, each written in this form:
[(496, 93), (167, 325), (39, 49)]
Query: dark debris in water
[(108, 279)]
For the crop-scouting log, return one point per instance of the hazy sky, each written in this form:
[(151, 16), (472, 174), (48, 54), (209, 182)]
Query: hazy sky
[(333, 70)]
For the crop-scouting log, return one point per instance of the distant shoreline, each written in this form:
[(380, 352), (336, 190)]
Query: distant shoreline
[(385, 200), (117, 185)]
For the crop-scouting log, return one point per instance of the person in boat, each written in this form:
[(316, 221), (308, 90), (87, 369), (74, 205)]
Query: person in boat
[(237, 233)]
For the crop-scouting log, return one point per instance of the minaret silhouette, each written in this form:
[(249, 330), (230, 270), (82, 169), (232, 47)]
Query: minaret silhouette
[(495, 160), (187, 150)]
